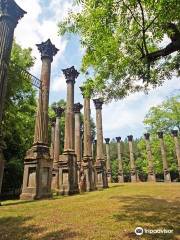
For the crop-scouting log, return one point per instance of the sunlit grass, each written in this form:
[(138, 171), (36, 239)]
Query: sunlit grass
[(113, 213)]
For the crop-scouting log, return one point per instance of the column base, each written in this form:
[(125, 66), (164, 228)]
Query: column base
[(120, 177), (109, 176), (101, 175), (68, 179), (55, 179), (134, 176), (37, 174), (151, 177), (167, 176), (88, 174)]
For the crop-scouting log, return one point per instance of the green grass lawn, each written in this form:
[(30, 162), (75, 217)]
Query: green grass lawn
[(113, 213)]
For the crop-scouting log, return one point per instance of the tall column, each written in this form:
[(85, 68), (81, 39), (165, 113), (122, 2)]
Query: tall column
[(10, 14), (120, 164), (101, 175), (55, 174), (108, 164), (151, 173), (77, 111), (53, 123), (134, 174), (167, 176), (87, 164), (68, 178), (38, 163), (177, 146), (58, 111)]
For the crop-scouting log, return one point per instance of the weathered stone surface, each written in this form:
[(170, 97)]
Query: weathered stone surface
[(120, 164), (177, 147), (151, 173), (108, 165), (134, 174), (38, 159), (100, 166), (87, 178), (53, 123), (37, 173), (167, 176), (78, 147), (68, 177)]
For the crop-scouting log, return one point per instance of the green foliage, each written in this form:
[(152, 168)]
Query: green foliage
[(18, 125), (118, 37), (164, 117)]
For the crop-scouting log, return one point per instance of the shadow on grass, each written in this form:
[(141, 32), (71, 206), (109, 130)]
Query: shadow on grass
[(150, 213), (18, 228)]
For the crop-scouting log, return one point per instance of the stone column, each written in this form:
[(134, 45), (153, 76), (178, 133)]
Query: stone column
[(55, 176), (77, 111), (87, 156), (59, 111), (68, 178), (38, 163), (134, 174), (82, 141), (167, 176), (108, 164), (10, 14), (53, 123), (101, 175), (177, 146), (151, 173), (120, 164)]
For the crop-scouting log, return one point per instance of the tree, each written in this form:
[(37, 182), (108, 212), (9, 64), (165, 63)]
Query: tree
[(163, 117), (19, 116), (124, 42)]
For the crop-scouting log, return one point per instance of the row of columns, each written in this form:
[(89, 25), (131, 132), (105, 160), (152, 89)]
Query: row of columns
[(151, 172)]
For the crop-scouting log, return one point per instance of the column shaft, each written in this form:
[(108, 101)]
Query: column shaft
[(87, 128), (167, 177), (120, 165), (69, 118), (57, 141), (41, 125), (77, 137)]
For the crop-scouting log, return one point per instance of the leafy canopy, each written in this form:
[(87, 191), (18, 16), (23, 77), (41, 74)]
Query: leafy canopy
[(130, 45)]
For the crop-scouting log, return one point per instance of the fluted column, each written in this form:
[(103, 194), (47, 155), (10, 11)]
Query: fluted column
[(101, 179), (77, 111), (134, 174), (38, 163), (58, 111), (167, 176), (70, 74), (108, 165), (120, 165), (87, 156), (68, 169), (47, 50), (10, 14), (177, 146), (53, 123), (151, 173)]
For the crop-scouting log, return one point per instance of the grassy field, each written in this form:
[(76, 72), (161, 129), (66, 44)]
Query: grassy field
[(113, 214)]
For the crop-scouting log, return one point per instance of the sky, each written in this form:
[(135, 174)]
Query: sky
[(120, 118)]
